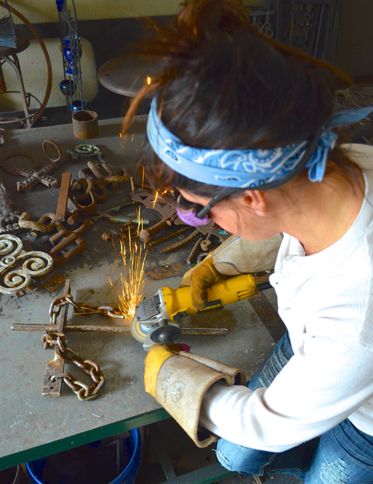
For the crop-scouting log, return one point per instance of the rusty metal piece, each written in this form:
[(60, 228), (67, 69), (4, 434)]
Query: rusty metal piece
[(213, 229), (84, 151), (194, 251), (147, 234), (33, 177), (75, 221), (206, 243), (86, 205), (86, 192), (202, 256), (8, 216), (79, 328), (104, 172), (204, 331), (45, 224), (18, 267), (54, 282), (101, 169), (55, 338), (115, 179), (52, 385), (47, 143), (126, 219), (97, 188), (63, 196), (165, 271), (66, 238), (180, 243), (169, 236), (96, 328), (146, 198), (60, 256), (106, 236)]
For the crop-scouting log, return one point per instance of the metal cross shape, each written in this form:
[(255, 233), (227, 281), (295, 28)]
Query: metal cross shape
[(54, 338), (33, 177)]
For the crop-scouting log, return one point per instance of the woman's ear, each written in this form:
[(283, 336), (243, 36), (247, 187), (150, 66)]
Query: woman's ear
[(257, 201)]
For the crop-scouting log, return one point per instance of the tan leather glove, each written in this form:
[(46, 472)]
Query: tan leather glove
[(179, 381), (234, 256), (200, 278)]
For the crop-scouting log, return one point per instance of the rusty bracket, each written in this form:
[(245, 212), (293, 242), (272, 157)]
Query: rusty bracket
[(67, 243), (45, 224), (85, 193)]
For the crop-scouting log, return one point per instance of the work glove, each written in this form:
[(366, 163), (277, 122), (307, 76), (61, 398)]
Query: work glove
[(179, 380), (233, 257), (200, 278)]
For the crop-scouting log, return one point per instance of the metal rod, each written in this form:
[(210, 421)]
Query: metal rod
[(204, 331), (86, 328), (82, 328)]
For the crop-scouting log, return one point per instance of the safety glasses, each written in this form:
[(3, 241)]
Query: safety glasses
[(195, 214)]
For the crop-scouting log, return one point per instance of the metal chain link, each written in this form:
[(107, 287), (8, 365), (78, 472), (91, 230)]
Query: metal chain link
[(56, 340), (82, 390), (82, 308)]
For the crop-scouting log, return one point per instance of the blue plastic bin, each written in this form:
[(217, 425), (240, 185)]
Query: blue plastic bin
[(131, 447)]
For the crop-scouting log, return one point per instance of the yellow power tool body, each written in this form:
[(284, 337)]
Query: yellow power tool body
[(158, 318)]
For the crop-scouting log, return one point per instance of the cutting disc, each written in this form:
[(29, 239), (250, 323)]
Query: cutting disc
[(137, 331)]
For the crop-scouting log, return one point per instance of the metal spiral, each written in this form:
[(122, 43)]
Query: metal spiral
[(18, 267)]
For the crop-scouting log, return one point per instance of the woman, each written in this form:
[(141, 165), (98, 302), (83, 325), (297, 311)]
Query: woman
[(242, 129)]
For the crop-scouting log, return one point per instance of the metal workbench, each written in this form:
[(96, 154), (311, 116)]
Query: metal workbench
[(33, 425)]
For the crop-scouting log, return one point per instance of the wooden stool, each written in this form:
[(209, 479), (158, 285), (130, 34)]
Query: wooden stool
[(9, 55)]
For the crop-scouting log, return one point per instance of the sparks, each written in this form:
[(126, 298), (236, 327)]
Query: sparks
[(142, 177), (156, 195), (132, 258), (132, 183)]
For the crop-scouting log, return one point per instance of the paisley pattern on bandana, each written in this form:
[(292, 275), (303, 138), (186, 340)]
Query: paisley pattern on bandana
[(244, 168)]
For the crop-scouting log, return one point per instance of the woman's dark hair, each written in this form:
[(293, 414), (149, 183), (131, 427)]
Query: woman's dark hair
[(225, 85)]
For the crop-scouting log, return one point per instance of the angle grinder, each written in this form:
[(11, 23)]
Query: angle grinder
[(158, 318)]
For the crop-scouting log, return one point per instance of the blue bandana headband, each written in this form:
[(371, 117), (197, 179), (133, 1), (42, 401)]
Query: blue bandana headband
[(245, 168)]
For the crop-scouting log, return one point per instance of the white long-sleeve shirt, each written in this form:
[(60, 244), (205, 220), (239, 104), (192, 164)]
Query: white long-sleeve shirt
[(326, 303)]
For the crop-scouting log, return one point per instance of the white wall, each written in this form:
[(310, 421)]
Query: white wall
[(40, 11)]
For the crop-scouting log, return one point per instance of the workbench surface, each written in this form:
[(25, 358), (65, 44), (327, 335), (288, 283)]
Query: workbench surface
[(33, 425)]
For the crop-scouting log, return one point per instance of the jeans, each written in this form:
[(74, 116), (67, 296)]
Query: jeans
[(343, 455)]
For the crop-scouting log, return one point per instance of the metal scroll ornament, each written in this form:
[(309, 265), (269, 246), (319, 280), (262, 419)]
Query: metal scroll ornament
[(18, 267)]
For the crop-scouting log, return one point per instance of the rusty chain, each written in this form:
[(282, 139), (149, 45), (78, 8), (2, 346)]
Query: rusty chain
[(83, 308), (56, 340), (82, 390)]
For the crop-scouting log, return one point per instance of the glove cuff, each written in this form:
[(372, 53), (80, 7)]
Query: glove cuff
[(181, 385)]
